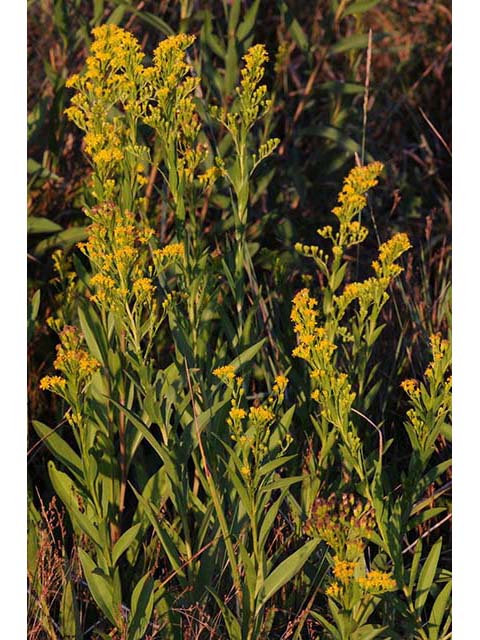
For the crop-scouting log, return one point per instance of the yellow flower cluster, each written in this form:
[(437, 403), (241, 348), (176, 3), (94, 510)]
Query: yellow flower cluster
[(280, 385), (113, 75), (114, 247), (253, 102), (431, 400), (236, 413), (260, 416), (143, 289), (312, 342), (208, 178), (252, 94), (377, 582), (304, 314), (171, 253), (439, 347), (410, 387), (373, 291), (332, 389), (226, 373), (53, 383), (170, 107), (334, 590), (71, 358), (344, 570), (76, 364)]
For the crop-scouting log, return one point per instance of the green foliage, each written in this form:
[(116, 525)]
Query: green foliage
[(223, 470)]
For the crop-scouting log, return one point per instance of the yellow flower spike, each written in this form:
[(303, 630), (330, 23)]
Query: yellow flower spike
[(351, 199), (388, 252)]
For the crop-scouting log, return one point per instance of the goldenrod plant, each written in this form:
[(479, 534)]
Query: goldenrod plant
[(223, 473)]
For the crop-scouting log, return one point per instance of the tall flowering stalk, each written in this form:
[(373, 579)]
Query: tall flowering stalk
[(251, 106)]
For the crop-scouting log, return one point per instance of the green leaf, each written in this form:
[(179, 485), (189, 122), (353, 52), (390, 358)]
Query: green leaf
[(414, 568), (116, 16), (368, 632), (210, 38), (93, 332), (35, 224), (142, 607), (341, 88), (360, 7), (100, 586), (427, 574), (431, 476), (285, 571), (65, 240), (164, 537), (293, 26), (327, 625), (60, 449), (148, 18), (274, 464), (282, 483), (247, 25), (98, 11), (64, 487), (357, 41), (69, 614), (35, 305), (247, 355), (333, 134), (269, 519), (125, 540), (38, 170), (232, 624), (438, 611)]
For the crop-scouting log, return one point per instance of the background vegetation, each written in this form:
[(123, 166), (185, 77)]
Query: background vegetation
[(350, 82)]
